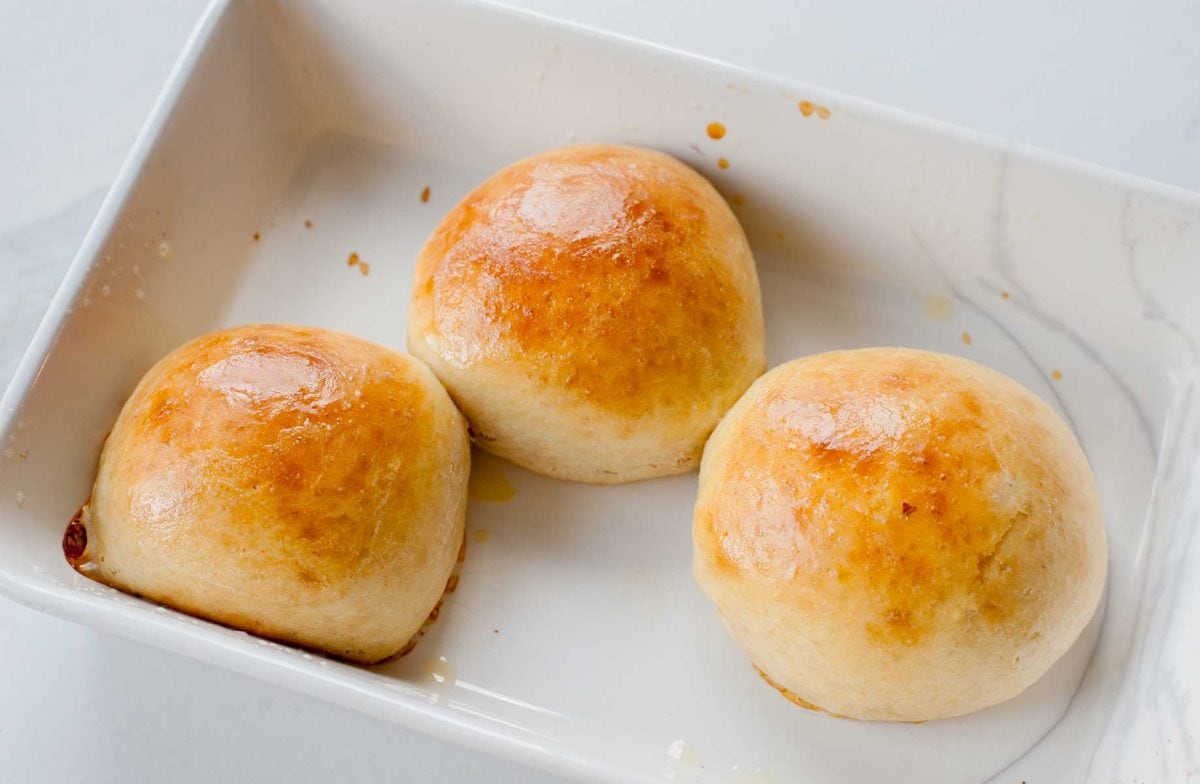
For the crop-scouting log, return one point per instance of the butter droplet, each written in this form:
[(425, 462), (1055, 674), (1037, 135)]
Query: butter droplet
[(488, 483), (439, 670), (746, 774), (684, 752), (938, 308)]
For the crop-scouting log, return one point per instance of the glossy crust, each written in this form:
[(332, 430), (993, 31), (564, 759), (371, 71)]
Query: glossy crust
[(594, 311), (300, 484), (898, 535)]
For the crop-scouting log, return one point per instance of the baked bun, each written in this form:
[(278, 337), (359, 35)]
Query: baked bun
[(300, 484), (593, 310), (898, 535)]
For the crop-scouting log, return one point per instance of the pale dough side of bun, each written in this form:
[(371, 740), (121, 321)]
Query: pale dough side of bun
[(894, 534), (593, 310), (297, 483)]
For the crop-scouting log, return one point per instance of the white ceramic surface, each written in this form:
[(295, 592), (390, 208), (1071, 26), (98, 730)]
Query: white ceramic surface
[(606, 662)]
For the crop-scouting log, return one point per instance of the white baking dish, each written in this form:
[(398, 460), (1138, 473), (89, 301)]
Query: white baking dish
[(577, 640)]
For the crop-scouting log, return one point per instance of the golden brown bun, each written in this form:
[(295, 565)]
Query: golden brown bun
[(593, 310), (300, 484), (898, 535)]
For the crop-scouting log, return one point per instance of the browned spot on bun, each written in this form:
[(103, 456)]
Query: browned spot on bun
[(792, 696), (451, 586)]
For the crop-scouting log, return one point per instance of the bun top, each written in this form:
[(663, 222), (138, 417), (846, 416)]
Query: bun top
[(294, 482), (296, 424), (916, 495), (616, 274)]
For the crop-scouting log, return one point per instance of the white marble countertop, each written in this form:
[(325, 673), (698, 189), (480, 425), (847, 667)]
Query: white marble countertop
[(1110, 82)]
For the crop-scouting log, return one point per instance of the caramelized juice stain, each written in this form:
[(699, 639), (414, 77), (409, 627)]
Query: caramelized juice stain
[(938, 308), (966, 338), (425, 195), (808, 109), (480, 536), (74, 541), (308, 224)]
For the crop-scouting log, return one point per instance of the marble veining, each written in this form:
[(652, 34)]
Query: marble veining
[(1155, 717), (961, 296), (1004, 266), (1152, 309)]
